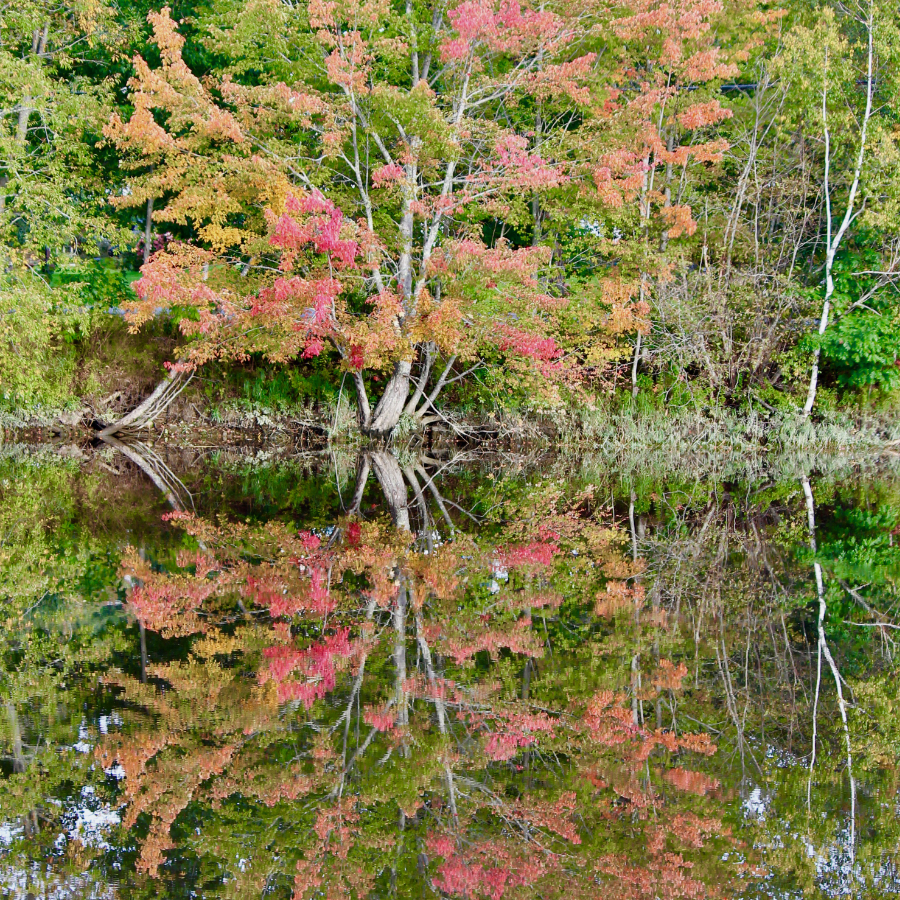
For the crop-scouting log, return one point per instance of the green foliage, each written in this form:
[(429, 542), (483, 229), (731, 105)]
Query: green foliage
[(860, 348), (37, 328), (97, 284)]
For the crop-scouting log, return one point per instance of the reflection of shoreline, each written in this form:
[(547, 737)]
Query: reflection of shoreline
[(461, 717), (616, 466)]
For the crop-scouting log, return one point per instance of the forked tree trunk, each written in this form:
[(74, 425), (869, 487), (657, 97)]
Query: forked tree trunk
[(384, 419)]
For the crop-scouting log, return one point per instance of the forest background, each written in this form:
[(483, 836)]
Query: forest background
[(439, 211)]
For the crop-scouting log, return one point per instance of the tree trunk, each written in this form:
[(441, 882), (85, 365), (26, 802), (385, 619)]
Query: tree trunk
[(634, 365), (148, 231), (387, 414), (144, 414)]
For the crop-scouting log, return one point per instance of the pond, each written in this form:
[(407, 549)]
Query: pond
[(397, 674)]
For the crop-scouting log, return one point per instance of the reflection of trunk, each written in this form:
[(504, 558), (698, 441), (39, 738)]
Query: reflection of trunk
[(143, 635), (17, 749), (390, 477), (824, 650), (440, 708), (400, 664), (422, 506), (362, 476), (155, 469), (393, 480)]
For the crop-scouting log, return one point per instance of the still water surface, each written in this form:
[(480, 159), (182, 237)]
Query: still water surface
[(473, 677)]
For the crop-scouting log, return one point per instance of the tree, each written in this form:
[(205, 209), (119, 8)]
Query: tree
[(368, 194), (848, 122), (51, 192)]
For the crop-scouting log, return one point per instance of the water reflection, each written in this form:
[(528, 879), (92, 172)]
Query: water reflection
[(479, 686)]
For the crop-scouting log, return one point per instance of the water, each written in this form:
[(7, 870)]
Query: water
[(225, 675)]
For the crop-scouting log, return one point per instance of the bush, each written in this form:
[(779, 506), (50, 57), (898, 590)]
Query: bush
[(38, 328)]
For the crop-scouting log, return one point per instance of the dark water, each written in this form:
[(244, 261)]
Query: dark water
[(403, 676)]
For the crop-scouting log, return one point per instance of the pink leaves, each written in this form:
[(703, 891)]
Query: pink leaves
[(387, 175), (702, 114), (306, 305), (526, 170), (503, 30), (618, 176), (527, 344), (321, 231), (567, 78), (473, 20)]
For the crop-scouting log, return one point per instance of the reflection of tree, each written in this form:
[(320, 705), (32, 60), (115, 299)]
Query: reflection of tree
[(530, 710), (760, 580), (52, 634), (155, 468), (373, 710)]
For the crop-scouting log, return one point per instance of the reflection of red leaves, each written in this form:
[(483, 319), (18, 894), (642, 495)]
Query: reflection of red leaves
[(440, 845), (518, 639), (514, 732), (691, 782), (316, 664), (535, 554), (382, 721), (668, 676), (490, 870), (611, 724)]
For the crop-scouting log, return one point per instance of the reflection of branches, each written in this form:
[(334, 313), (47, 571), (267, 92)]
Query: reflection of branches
[(149, 462), (823, 650), (879, 622), (393, 479)]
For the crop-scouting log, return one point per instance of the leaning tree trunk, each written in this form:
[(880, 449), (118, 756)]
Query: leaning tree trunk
[(384, 419), (144, 414)]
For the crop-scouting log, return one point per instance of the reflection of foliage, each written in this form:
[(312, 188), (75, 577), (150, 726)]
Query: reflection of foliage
[(530, 710), (404, 715), (53, 632)]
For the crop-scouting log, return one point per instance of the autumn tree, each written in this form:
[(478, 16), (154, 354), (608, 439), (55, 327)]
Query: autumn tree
[(368, 194)]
